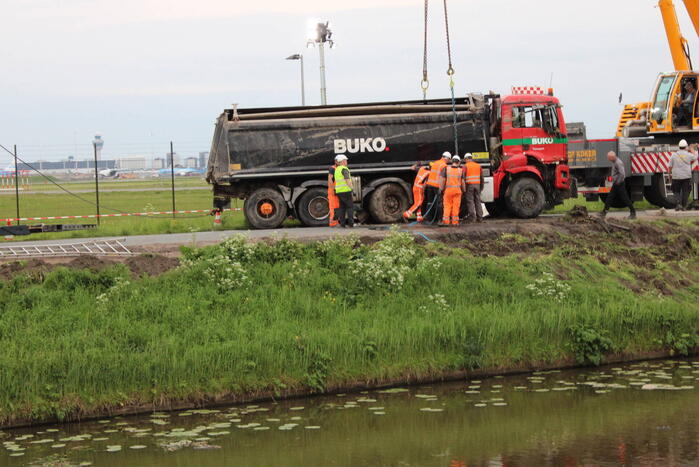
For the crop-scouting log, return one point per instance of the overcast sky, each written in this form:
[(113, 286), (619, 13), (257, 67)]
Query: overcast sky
[(143, 72)]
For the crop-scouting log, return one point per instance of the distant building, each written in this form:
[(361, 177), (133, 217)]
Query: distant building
[(191, 162), (131, 163), (159, 163), (175, 159), (203, 159)]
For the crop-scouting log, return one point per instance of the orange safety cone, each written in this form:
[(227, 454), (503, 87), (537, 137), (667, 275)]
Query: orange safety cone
[(217, 218)]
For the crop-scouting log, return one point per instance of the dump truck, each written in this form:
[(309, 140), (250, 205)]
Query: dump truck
[(277, 159)]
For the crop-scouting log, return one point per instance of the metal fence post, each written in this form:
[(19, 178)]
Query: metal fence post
[(97, 184), (172, 177), (16, 184)]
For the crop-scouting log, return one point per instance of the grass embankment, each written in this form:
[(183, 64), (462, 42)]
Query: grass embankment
[(241, 319)]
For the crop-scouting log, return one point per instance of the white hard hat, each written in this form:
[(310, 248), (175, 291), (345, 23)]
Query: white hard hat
[(446, 154), (683, 143), (468, 155), (456, 158), (340, 158)]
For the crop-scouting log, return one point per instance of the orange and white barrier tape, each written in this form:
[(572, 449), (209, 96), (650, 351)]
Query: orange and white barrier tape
[(125, 214)]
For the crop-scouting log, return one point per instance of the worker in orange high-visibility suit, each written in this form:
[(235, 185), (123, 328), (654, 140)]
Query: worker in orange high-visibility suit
[(453, 190), (418, 191), (431, 205), (333, 200), (473, 173)]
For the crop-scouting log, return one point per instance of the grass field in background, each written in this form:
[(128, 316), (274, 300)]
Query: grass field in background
[(41, 184), (241, 318)]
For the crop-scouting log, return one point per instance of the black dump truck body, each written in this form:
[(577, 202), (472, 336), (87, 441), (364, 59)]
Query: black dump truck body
[(277, 159)]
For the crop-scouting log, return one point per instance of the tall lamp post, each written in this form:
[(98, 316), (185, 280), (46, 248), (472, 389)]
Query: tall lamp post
[(97, 144), (303, 85), (322, 34)]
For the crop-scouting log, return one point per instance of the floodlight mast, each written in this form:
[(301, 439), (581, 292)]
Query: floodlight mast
[(323, 35)]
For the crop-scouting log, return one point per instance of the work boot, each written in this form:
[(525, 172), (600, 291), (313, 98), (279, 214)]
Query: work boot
[(632, 216)]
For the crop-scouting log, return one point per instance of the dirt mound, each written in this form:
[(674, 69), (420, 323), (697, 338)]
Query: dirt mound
[(151, 265), (32, 267), (92, 263)]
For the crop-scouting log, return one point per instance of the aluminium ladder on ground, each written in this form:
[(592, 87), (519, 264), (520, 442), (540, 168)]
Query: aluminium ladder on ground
[(109, 247)]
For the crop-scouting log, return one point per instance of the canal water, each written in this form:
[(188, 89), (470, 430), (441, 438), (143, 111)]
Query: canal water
[(643, 414)]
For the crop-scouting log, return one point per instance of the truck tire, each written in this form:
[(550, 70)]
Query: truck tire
[(312, 207), (388, 202), (525, 198), (496, 208), (265, 208), (657, 194)]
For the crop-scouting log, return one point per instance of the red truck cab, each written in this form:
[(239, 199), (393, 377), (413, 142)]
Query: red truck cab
[(534, 146)]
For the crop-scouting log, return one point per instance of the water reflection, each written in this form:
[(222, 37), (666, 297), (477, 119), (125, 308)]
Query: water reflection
[(641, 414)]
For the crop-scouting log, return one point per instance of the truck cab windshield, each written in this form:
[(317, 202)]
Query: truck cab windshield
[(537, 116)]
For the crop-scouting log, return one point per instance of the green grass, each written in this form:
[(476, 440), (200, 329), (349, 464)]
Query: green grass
[(241, 318), (41, 184), (596, 206), (39, 205)]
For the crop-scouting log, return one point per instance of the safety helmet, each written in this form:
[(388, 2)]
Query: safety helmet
[(455, 159), (683, 143), (340, 158), (468, 155), (446, 155)]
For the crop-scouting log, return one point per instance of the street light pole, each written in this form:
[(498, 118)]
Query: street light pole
[(303, 85)]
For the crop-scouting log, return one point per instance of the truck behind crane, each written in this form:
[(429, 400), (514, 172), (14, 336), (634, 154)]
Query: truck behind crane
[(277, 159)]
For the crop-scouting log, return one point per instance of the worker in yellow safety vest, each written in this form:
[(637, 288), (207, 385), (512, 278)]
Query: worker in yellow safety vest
[(431, 206), (418, 191), (343, 190), (453, 190), (473, 173)]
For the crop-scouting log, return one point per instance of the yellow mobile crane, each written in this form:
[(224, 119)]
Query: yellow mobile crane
[(672, 110)]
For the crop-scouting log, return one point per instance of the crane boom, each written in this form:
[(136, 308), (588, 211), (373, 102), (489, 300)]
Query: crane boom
[(692, 7), (677, 42)]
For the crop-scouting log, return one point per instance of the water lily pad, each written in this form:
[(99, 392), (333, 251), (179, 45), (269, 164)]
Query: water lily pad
[(379, 412), (312, 427), (100, 439), (296, 408), (114, 448), (499, 404), (58, 445), (138, 446), (480, 405)]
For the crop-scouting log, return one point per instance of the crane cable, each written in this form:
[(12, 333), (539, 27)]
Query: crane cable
[(425, 83), (450, 73)]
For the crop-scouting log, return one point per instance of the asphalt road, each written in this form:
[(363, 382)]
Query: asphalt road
[(154, 242)]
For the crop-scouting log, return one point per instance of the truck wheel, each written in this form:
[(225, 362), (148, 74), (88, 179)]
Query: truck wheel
[(265, 208), (388, 203), (657, 194), (525, 198), (496, 208), (312, 207)]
